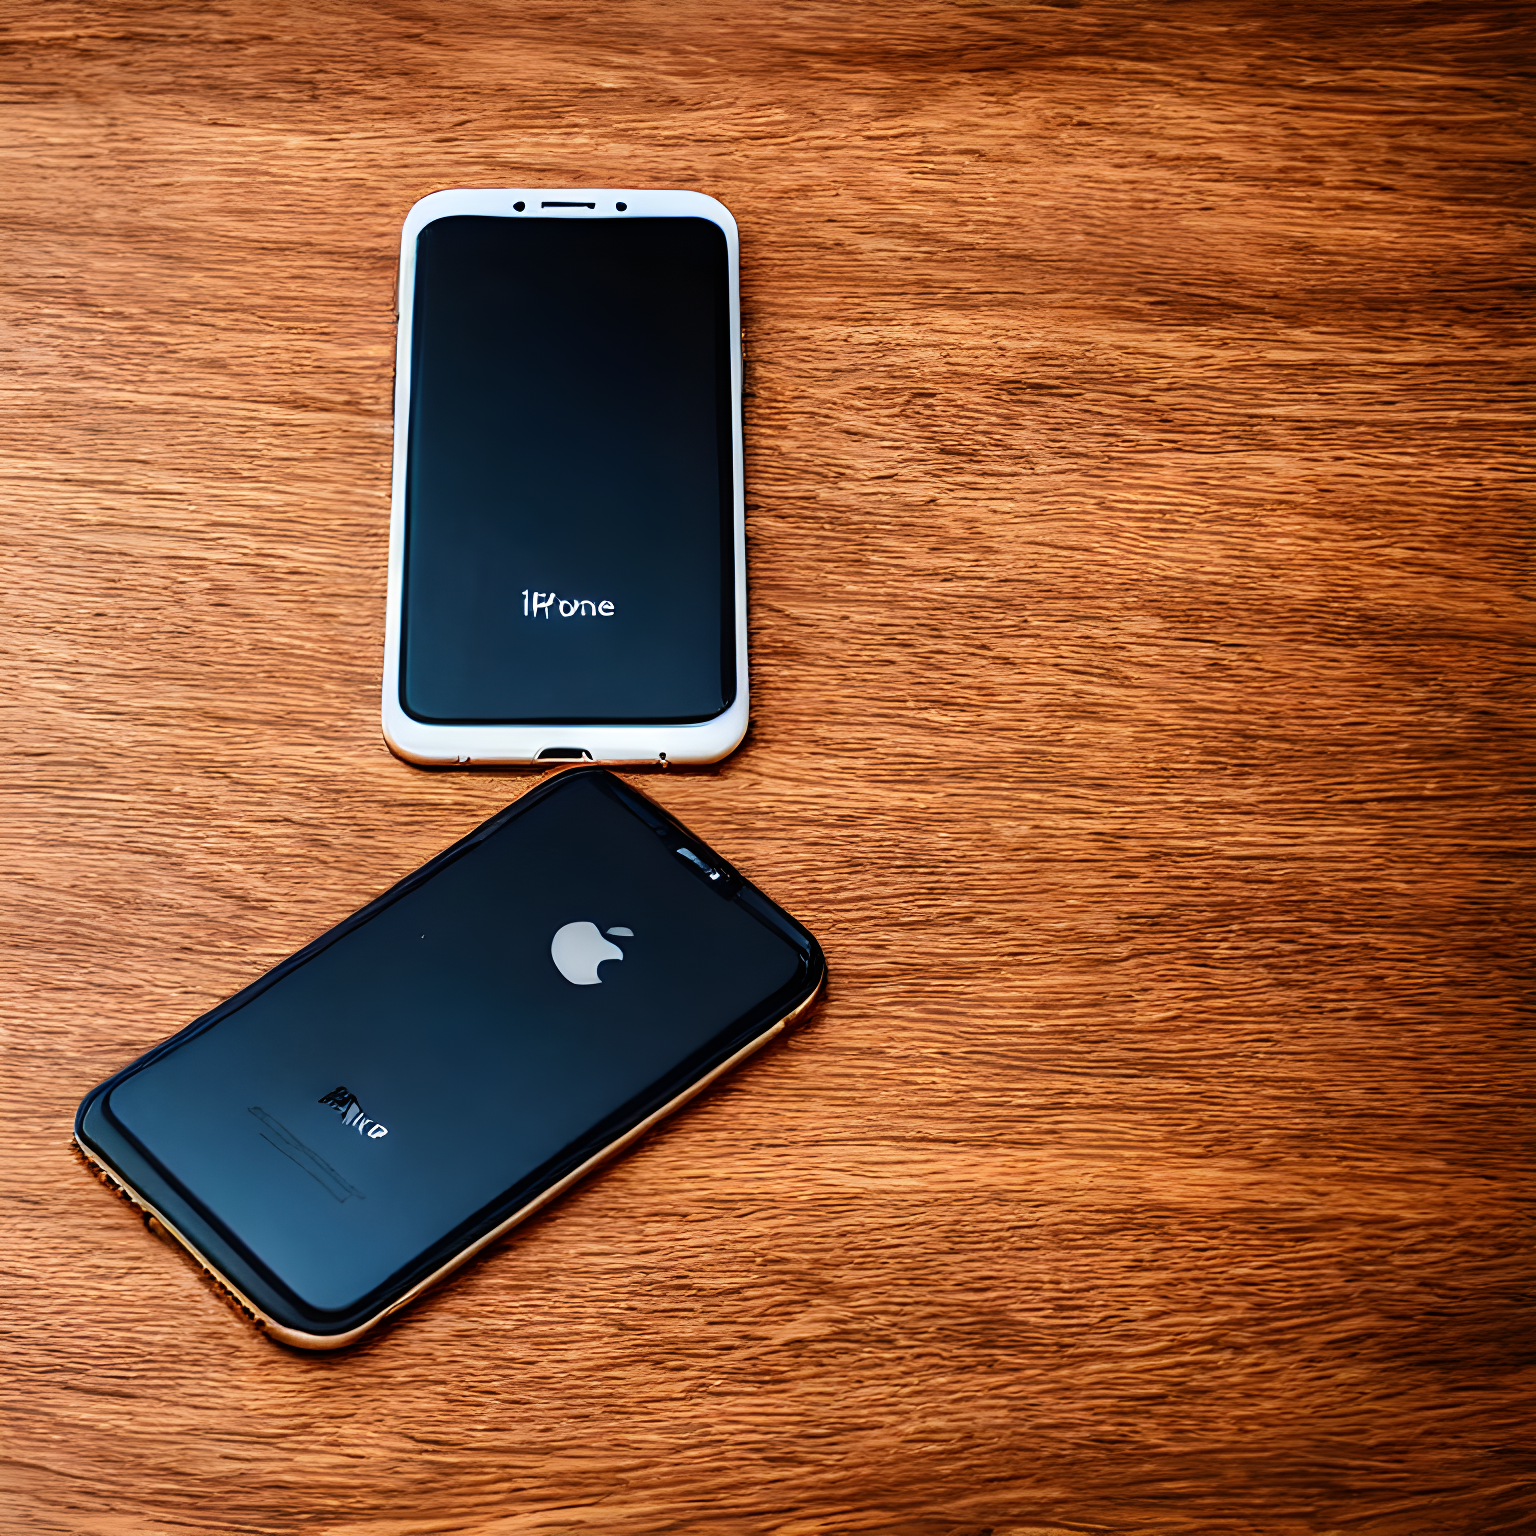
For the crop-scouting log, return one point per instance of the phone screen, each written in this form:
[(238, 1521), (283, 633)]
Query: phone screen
[(569, 553)]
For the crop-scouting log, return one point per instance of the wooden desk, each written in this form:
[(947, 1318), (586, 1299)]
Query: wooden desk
[(1135, 512)]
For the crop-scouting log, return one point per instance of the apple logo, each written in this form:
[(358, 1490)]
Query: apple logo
[(578, 949)]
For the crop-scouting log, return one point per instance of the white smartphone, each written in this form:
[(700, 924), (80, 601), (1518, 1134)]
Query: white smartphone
[(567, 563)]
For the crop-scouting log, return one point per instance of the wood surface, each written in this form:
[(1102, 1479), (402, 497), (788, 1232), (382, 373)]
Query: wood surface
[(1138, 493)]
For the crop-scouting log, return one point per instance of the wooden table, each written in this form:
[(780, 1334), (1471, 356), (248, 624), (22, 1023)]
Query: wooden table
[(1136, 505)]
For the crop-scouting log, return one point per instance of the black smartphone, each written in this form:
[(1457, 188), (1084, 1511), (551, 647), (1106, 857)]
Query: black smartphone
[(393, 1097), (567, 560)]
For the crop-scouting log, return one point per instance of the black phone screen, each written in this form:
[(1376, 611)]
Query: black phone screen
[(569, 548), (456, 1046)]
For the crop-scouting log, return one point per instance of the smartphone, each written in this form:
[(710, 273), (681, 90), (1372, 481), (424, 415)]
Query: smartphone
[(567, 567), (389, 1100)]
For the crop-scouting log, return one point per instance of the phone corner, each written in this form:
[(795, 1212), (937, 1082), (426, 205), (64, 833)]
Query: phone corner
[(424, 209), (707, 203), (310, 1343), (715, 740), (802, 1011), (79, 1129), (408, 754), (406, 738)]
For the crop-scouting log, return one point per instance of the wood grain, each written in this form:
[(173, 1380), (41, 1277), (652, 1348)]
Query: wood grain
[(1138, 497)]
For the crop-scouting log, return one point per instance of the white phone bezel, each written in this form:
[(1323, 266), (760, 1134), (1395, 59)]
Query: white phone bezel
[(440, 745)]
